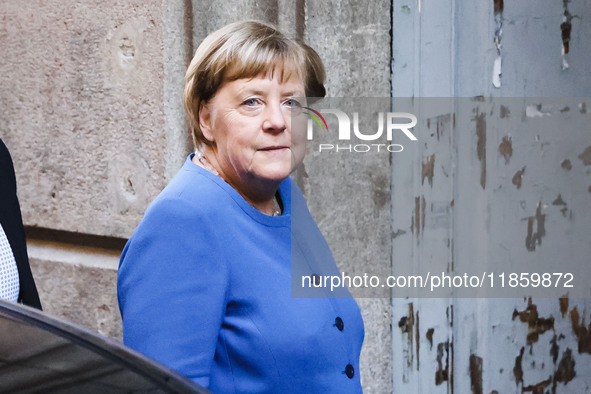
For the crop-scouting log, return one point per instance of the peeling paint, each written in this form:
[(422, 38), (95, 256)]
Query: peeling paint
[(518, 177), (554, 349), (563, 301), (429, 336), (537, 388), (441, 122), (535, 111), (566, 368), (403, 324), (497, 71), (481, 146), (582, 333), (586, 156), (506, 148), (428, 169), (560, 202), (418, 223), (517, 369), (442, 374), (451, 352), (449, 314), (532, 239), (535, 324), (566, 164), (423, 206), (498, 40), (505, 112), (565, 29), (417, 339), (476, 374), (406, 325), (498, 6)]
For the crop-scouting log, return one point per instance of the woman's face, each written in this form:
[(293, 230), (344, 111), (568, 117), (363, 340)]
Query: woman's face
[(251, 122)]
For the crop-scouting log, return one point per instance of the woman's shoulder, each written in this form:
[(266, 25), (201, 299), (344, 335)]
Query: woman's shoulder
[(191, 190), (188, 208)]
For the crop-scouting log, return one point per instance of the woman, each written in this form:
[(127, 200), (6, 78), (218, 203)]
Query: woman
[(205, 281)]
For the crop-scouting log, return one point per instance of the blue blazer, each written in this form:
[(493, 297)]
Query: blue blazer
[(205, 287)]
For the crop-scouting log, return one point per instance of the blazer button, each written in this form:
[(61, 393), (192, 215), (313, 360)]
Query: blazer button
[(350, 371), (339, 323)]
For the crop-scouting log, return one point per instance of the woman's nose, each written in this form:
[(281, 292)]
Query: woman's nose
[(275, 120)]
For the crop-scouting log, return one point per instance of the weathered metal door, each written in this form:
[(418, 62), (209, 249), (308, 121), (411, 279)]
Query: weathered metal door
[(508, 188)]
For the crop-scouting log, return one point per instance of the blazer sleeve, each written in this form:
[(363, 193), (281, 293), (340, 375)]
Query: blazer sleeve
[(12, 222), (172, 285)]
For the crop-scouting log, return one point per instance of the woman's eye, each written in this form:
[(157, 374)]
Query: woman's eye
[(251, 102), (293, 103)]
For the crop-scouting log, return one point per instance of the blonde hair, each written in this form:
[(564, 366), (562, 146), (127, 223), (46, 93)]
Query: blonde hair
[(238, 50)]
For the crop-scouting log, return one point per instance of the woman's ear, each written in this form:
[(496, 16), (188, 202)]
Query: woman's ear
[(205, 122)]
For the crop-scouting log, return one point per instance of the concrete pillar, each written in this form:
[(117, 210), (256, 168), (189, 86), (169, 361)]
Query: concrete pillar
[(349, 194)]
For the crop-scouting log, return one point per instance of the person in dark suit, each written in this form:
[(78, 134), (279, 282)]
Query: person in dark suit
[(12, 235)]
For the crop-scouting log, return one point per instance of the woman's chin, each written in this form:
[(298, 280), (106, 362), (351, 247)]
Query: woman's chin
[(276, 172)]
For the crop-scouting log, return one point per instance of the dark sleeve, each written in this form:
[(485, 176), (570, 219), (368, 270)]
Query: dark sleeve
[(7, 177), (12, 223), (172, 287)]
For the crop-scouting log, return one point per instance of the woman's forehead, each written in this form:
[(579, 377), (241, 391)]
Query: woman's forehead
[(261, 84)]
